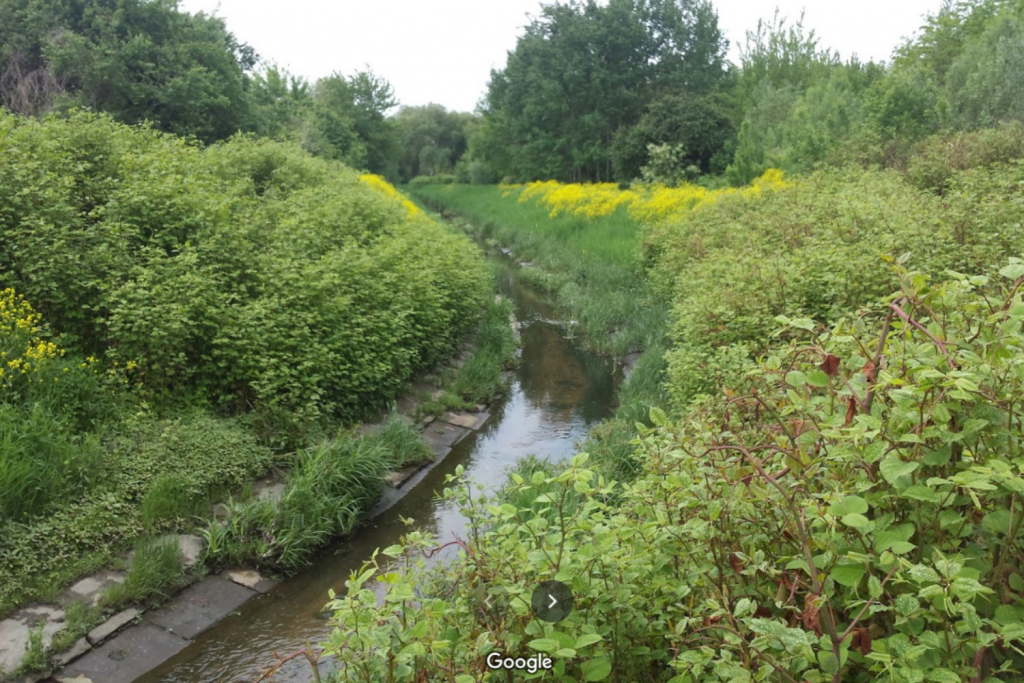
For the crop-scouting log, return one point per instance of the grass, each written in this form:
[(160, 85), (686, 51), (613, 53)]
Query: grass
[(480, 378), (328, 489), (591, 265), (41, 462), (154, 574)]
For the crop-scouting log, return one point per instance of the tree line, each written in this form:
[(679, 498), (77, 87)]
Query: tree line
[(613, 91)]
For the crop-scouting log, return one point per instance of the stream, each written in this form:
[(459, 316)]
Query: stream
[(558, 392)]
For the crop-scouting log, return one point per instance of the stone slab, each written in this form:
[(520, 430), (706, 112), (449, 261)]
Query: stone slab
[(628, 363), (388, 498), (112, 625), (126, 657), (200, 606), (90, 589), (15, 631), (443, 435), (80, 647), (468, 420), (400, 476), (269, 489), (252, 579)]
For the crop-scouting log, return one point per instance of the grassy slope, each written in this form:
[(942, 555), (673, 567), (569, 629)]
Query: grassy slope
[(591, 265)]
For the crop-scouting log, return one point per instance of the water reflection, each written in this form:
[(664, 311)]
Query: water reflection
[(558, 392)]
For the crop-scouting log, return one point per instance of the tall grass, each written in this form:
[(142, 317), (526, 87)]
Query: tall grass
[(592, 265), (42, 461), (479, 379), (154, 574), (328, 489)]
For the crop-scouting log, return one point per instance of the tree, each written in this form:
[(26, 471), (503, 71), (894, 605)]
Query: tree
[(701, 126), (349, 122), (138, 60), (433, 139), (583, 71)]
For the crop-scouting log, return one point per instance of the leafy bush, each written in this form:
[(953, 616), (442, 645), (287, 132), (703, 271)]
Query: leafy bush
[(846, 511), (817, 249), (246, 275)]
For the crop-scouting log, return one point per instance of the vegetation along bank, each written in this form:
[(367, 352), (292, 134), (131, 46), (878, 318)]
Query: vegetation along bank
[(828, 488), (177, 321)]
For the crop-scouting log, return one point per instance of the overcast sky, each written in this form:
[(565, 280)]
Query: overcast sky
[(443, 50)]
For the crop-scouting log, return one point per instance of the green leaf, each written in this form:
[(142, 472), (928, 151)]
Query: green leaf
[(849, 505), (1012, 271), (943, 676), (596, 669), (464, 678), (892, 468), (796, 379), (817, 379), (856, 521), (587, 639), (874, 587), (565, 653), (658, 417), (848, 575), (544, 644), (393, 551), (922, 493)]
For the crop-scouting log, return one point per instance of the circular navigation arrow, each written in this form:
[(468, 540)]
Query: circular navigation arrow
[(551, 601), (491, 602)]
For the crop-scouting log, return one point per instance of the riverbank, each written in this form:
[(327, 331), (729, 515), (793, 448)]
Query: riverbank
[(592, 269), (557, 392), (172, 588)]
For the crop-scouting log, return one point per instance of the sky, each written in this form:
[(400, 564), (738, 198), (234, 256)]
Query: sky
[(443, 50)]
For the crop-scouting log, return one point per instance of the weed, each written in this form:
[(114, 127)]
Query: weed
[(154, 574)]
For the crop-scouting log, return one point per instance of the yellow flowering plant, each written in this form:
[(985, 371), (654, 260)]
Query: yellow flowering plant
[(23, 353), (644, 203)]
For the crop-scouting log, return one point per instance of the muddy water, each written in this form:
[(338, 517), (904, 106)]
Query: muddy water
[(558, 391)]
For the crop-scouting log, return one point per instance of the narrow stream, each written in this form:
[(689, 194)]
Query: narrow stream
[(557, 393)]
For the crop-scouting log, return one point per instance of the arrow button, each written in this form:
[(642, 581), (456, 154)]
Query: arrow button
[(551, 601)]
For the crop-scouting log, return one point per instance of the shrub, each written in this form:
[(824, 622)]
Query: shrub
[(245, 275), (845, 511)]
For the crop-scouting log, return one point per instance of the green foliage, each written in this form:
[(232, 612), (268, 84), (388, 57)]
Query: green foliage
[(43, 461), (584, 71), (242, 274), (439, 179), (591, 265), (480, 378), (433, 139), (154, 574), (326, 492), (985, 84), (699, 127), (136, 60), (348, 122), (815, 250), (848, 511)]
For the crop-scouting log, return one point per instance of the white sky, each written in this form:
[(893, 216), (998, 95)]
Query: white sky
[(443, 50)]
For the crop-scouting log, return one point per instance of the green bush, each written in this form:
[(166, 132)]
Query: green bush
[(247, 275), (820, 249), (846, 511), (42, 461)]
